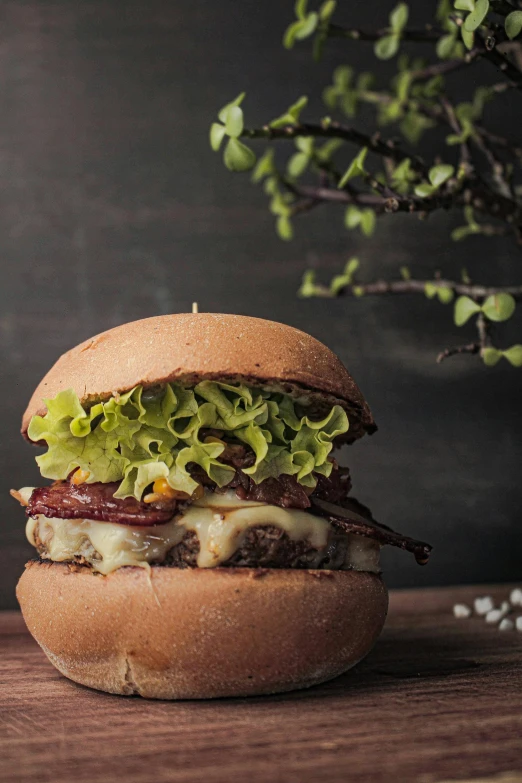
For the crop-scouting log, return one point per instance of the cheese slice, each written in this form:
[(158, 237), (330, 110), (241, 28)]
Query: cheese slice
[(220, 521)]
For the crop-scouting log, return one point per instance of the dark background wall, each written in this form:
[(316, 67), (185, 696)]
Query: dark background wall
[(113, 207)]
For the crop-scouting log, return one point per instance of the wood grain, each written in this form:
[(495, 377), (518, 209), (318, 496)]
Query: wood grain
[(439, 699)]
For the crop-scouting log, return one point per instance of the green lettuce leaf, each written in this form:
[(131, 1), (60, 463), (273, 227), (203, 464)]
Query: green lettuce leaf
[(146, 434)]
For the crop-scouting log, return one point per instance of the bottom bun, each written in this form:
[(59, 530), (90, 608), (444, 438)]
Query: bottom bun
[(201, 633)]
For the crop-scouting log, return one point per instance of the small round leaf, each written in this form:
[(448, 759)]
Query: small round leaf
[(477, 16), (464, 5), (491, 356), (467, 37), (387, 47), (499, 307), (238, 157), (326, 10), (513, 24), (297, 164), (300, 8), (424, 190), (446, 46), (236, 102), (430, 289), (307, 26), (399, 17), (514, 355), (217, 134), (445, 294), (352, 217), (464, 309), (284, 228), (234, 123), (368, 222), (439, 174)]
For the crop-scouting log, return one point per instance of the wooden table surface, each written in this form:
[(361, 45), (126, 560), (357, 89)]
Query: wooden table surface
[(438, 699)]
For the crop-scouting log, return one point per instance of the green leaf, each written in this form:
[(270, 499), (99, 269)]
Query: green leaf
[(297, 164), (292, 114), (238, 157), (368, 220), (405, 273), (387, 47), (514, 355), (467, 37), (326, 10), (341, 281), (464, 309), (464, 5), (352, 216), (430, 289), (402, 85), (358, 290), (499, 307), (439, 174), (464, 276), (289, 37), (403, 174), (424, 190), (399, 17), (305, 144), (234, 123), (446, 45), (329, 149), (308, 287), (477, 16), (461, 232), (445, 294), (284, 228), (355, 169), (491, 356), (236, 102), (300, 8), (296, 108), (265, 166), (217, 134), (271, 185), (307, 26), (513, 25)]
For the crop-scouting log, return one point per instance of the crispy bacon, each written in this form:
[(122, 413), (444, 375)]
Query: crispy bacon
[(96, 501), (66, 500), (353, 517)]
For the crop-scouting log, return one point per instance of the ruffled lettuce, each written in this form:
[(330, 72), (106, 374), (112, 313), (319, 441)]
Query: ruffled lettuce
[(147, 434)]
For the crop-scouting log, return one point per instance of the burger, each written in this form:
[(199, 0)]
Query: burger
[(197, 537)]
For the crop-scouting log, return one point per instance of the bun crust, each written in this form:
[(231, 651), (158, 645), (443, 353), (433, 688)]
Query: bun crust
[(190, 347), (201, 633)]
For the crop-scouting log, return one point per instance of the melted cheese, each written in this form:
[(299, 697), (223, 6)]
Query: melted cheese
[(220, 521)]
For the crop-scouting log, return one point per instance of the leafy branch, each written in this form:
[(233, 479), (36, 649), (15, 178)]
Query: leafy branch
[(488, 304), (477, 171)]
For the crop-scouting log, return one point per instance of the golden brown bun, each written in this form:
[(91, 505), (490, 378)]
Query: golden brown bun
[(190, 347), (201, 633)]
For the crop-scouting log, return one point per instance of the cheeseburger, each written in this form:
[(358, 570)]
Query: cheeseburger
[(198, 537)]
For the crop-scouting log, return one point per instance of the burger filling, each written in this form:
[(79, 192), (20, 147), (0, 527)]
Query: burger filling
[(213, 475)]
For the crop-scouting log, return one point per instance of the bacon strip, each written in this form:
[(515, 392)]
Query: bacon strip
[(96, 501), (355, 518)]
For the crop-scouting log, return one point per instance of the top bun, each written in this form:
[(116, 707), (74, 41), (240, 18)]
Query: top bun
[(190, 347)]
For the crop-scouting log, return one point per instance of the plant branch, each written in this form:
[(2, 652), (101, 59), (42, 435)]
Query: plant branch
[(426, 35), (380, 287), (334, 130), (472, 348)]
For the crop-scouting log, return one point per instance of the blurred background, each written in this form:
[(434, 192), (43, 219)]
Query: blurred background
[(113, 208)]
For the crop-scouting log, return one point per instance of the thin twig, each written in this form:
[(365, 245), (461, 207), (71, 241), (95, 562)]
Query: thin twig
[(472, 348), (475, 292), (356, 34), (335, 130)]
